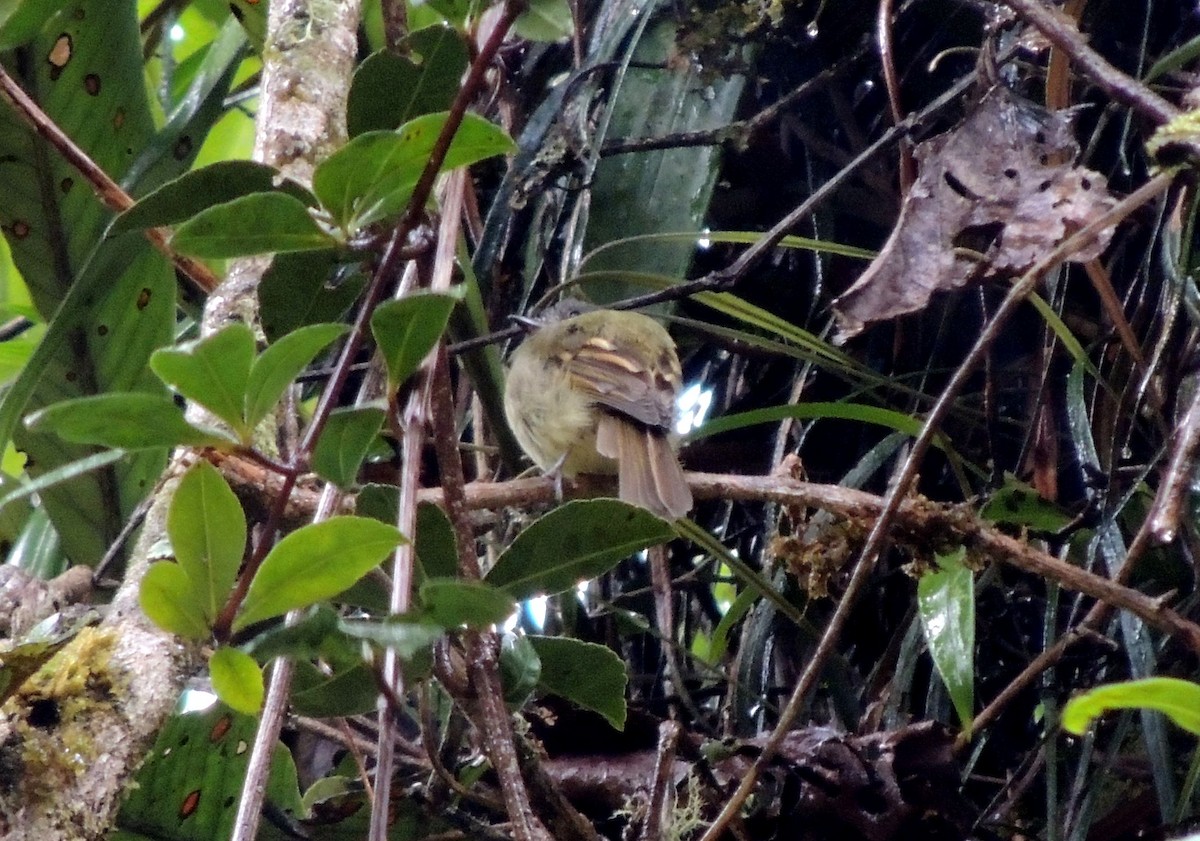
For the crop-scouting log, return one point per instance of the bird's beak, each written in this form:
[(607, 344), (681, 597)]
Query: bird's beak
[(525, 322)]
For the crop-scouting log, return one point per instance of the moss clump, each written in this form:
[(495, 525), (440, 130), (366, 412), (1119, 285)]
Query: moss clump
[(50, 744)]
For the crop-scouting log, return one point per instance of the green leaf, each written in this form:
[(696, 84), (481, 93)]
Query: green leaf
[(208, 535), (545, 20), (381, 502), (306, 639), (344, 443), (587, 674), (946, 603), (107, 303), (252, 15), (280, 364), (135, 421), (316, 562), (1018, 503), (214, 372), (368, 178), (453, 603), (574, 542), (406, 637), (307, 288), (260, 223), (198, 763), (237, 679), (23, 490), (394, 86), (166, 596), (520, 670), (22, 21), (1177, 699), (437, 552), (407, 328), (351, 691), (373, 175), (195, 191), (888, 418)]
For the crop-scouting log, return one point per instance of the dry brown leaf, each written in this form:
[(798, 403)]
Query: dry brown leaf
[(991, 198)]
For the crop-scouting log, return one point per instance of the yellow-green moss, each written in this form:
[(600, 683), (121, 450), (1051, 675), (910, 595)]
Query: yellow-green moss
[(52, 743)]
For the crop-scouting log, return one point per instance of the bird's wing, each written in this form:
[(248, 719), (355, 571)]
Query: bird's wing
[(622, 383)]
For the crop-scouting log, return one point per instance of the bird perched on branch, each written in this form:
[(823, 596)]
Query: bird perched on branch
[(593, 391)]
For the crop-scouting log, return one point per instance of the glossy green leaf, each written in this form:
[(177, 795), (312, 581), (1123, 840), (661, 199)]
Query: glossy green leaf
[(520, 670), (208, 535), (167, 597), (189, 785), (453, 603), (545, 20), (260, 223), (107, 304), (134, 421), (587, 674), (344, 442), (946, 603), (406, 637), (22, 20), (237, 679), (1177, 699), (394, 86), (280, 364), (316, 562), (200, 189), (213, 371), (572, 543), (373, 175), (406, 330)]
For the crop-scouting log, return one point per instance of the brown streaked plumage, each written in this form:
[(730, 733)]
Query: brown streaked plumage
[(593, 391)]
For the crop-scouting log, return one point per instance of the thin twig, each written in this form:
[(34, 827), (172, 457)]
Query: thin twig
[(902, 483), (728, 277), (1060, 30), (887, 60), (108, 190), (482, 657)]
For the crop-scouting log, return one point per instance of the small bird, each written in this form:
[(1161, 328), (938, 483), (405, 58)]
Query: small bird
[(593, 391)]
